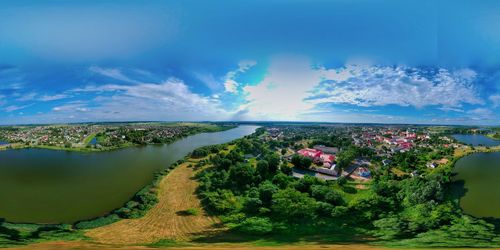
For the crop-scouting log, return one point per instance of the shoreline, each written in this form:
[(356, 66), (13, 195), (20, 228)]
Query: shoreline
[(17, 146), (492, 136), (159, 175)]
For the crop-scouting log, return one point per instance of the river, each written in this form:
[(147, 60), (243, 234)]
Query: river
[(53, 186), (481, 175), (476, 140)]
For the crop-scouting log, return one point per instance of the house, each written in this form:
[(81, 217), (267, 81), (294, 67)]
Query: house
[(327, 150), (327, 159), (318, 156), (311, 153)]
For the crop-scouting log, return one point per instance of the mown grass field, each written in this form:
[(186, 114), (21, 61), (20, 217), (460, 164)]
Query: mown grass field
[(164, 221)]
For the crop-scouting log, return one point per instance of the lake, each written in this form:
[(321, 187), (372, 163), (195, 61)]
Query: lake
[(3, 143), (481, 173), (476, 140), (54, 186)]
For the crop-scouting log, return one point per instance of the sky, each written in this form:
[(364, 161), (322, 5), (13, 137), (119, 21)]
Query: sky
[(360, 61)]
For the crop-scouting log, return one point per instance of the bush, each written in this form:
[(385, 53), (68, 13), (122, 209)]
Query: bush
[(255, 225), (98, 222), (189, 212)]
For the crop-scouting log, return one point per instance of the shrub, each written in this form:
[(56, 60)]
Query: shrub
[(255, 225), (98, 222)]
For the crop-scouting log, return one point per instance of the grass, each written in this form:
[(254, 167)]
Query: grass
[(89, 138), (176, 192), (167, 243), (495, 136)]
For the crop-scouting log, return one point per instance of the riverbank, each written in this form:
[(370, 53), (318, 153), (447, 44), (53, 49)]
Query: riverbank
[(459, 153), (84, 147), (495, 136)]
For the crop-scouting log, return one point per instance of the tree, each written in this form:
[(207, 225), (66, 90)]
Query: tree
[(292, 205), (345, 157), (241, 175), (273, 161), (263, 169), (266, 192), (297, 160), (306, 162), (285, 169)]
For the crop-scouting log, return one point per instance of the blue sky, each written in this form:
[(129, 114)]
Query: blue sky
[(336, 61)]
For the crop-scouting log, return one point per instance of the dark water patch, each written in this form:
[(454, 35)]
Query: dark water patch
[(52, 186), (479, 176)]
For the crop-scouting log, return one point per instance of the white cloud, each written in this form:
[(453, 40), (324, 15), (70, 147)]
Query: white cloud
[(70, 107), (230, 84), (280, 95), (495, 99), (403, 86), (14, 108), (447, 109), (480, 112), (112, 73), (169, 100), (47, 98), (294, 88)]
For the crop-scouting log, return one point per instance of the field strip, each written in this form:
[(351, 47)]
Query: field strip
[(176, 193)]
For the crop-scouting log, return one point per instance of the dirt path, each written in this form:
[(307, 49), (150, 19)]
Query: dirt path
[(176, 193)]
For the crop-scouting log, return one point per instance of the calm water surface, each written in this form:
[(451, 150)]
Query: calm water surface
[(476, 140), (51, 186), (481, 173)]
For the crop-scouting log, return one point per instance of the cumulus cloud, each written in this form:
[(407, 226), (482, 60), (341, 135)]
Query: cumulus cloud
[(294, 88), (230, 84), (169, 100), (280, 95), (403, 86)]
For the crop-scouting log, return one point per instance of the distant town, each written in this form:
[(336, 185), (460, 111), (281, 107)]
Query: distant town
[(99, 137)]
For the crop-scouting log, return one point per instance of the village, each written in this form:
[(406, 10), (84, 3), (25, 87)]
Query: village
[(385, 143), (94, 136)]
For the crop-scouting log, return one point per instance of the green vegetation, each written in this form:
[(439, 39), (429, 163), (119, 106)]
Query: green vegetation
[(250, 188), (21, 234), (189, 212), (262, 199), (167, 243), (494, 136), (108, 136)]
